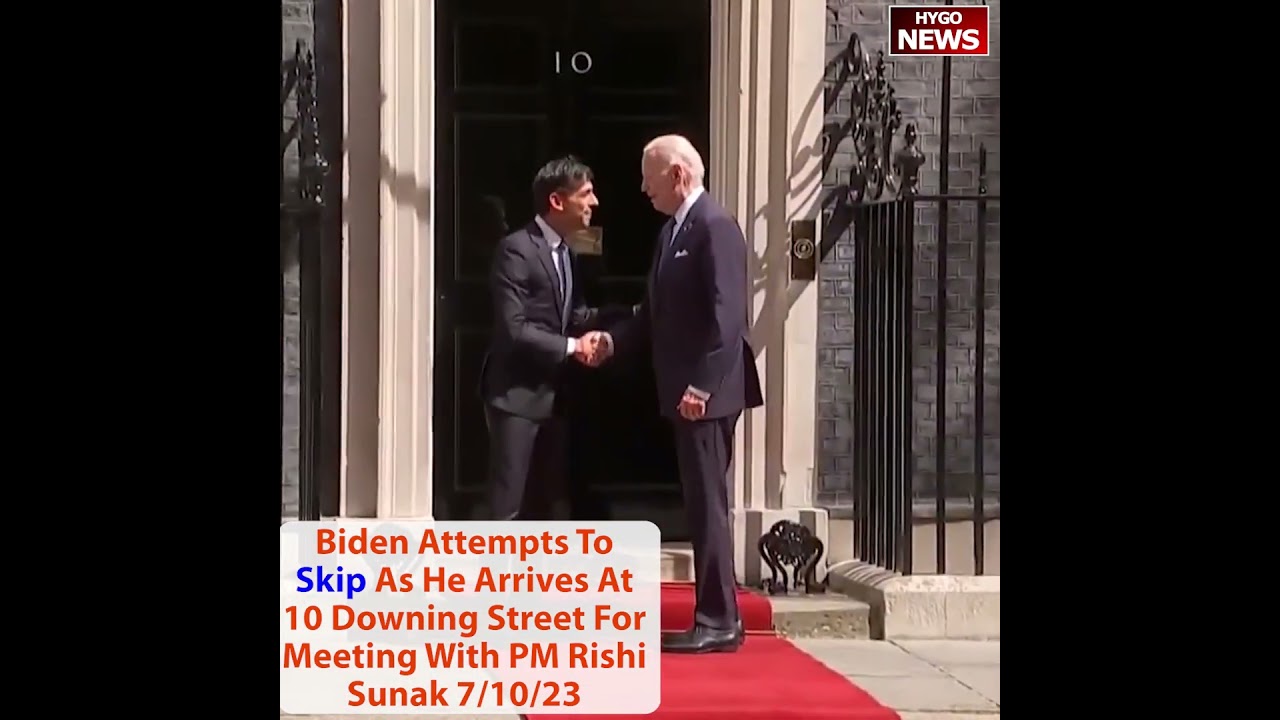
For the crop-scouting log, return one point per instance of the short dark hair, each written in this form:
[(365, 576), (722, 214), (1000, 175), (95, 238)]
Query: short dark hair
[(566, 174)]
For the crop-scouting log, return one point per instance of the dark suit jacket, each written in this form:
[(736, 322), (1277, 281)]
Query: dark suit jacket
[(694, 316), (526, 361)]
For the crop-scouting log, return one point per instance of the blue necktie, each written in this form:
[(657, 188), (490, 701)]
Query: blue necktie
[(665, 238)]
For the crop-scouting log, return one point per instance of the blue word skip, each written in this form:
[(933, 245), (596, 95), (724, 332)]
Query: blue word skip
[(338, 581)]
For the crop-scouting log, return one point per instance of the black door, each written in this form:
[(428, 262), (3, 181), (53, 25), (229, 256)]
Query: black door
[(518, 83)]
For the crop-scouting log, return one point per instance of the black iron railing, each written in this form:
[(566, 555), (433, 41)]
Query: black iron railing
[(310, 235), (300, 217), (882, 390), (896, 327), (892, 492)]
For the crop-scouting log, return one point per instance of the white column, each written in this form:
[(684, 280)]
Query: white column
[(406, 290), (767, 64), (740, 72), (741, 128), (362, 148), (730, 169), (806, 61), (774, 303), (789, 308)]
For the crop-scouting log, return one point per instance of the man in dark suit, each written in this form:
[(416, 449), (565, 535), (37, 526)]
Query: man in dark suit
[(694, 322), (539, 324)]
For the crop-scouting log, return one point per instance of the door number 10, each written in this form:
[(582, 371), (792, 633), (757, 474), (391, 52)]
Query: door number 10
[(580, 62)]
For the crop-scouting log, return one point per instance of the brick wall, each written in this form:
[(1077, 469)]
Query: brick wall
[(296, 26), (975, 120)]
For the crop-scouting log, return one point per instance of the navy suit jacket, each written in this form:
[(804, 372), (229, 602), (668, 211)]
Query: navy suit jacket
[(694, 316), (525, 365)]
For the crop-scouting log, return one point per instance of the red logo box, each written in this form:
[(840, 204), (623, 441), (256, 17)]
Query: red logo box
[(939, 30)]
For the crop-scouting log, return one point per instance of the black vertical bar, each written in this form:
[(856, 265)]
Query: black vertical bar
[(979, 374), (899, 377), (309, 360), (884, 350), (884, 384), (890, 379), (327, 16), (940, 439), (310, 174), (940, 392), (908, 344), (877, 382), (286, 230), (861, 340), (868, 385), (872, 379)]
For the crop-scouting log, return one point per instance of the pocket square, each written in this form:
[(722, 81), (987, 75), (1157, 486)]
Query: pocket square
[(680, 254)]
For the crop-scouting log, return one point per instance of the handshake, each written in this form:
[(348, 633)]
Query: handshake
[(593, 348)]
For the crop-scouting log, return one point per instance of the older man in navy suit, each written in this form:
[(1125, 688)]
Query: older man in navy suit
[(694, 322)]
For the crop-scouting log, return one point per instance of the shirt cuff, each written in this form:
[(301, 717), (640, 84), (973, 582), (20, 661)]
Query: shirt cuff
[(700, 394), (571, 346)]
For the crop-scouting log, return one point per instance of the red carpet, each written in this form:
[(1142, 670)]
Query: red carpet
[(767, 679), (677, 609)]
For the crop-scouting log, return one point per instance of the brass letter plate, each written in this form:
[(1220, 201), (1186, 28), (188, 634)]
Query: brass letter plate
[(587, 242)]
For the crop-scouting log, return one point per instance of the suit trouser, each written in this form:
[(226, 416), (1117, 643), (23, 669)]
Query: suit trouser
[(703, 451), (526, 465)]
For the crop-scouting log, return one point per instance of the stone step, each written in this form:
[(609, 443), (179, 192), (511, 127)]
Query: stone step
[(821, 615), (677, 562), (796, 614)]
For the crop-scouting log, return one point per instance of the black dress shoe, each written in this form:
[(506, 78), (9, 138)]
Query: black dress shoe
[(702, 639)]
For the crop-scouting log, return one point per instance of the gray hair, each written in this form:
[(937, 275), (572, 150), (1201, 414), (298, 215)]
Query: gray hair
[(677, 150)]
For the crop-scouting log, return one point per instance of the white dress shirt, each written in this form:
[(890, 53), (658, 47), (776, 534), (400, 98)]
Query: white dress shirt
[(683, 211), (554, 240), (678, 219)]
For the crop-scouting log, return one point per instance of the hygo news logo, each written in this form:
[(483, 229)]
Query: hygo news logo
[(938, 31)]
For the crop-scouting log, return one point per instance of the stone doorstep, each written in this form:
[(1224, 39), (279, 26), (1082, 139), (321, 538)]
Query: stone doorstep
[(796, 614), (922, 607), (677, 562), (825, 615)]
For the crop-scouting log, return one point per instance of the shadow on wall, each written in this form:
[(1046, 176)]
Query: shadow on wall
[(974, 122)]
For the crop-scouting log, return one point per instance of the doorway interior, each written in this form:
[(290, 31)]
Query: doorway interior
[(518, 83)]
